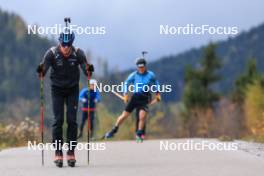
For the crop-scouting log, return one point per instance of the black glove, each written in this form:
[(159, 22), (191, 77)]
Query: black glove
[(40, 69), (90, 68)]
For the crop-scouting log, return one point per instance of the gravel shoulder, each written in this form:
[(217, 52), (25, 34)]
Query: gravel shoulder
[(252, 148)]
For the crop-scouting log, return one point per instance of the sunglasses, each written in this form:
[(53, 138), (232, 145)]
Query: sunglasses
[(66, 44), (140, 66)]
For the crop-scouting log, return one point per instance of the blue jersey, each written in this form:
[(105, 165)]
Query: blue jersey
[(94, 97), (140, 80)]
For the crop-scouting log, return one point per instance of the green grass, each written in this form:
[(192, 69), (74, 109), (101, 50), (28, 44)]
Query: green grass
[(225, 138), (254, 138)]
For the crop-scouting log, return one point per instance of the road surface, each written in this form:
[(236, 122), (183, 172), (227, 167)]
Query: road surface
[(128, 158)]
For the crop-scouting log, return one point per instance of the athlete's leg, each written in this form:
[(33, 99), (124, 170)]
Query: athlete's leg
[(92, 123), (122, 118), (84, 118), (142, 119), (72, 106), (58, 110)]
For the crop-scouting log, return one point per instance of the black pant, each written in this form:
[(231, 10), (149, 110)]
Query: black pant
[(138, 101), (84, 118), (68, 97)]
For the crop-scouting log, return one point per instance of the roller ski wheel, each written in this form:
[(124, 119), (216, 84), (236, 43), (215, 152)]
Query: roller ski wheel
[(139, 139), (58, 160), (71, 159)]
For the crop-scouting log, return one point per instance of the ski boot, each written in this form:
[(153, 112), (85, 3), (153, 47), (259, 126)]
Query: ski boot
[(71, 158), (143, 136), (58, 159), (139, 136), (111, 134)]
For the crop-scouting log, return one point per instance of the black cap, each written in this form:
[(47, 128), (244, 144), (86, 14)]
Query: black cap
[(141, 62)]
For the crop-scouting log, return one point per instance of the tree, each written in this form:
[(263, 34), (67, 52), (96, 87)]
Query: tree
[(198, 91), (250, 75), (253, 106)]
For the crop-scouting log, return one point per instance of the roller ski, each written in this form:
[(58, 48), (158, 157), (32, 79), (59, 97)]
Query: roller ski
[(58, 159), (71, 159), (111, 133), (139, 136)]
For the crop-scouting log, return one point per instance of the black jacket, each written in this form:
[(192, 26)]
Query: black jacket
[(65, 72)]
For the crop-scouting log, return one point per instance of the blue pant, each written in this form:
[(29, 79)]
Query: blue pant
[(84, 118)]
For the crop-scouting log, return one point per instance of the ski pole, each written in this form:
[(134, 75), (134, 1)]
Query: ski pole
[(152, 102), (118, 95), (88, 114), (144, 53), (42, 114), (67, 20)]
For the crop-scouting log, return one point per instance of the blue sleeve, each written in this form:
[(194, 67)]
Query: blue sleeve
[(130, 79), (82, 94), (155, 81), (97, 96)]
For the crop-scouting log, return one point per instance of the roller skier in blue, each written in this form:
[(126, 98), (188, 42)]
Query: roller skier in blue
[(140, 98), (94, 99)]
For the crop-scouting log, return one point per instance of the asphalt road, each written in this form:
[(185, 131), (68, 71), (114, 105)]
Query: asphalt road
[(128, 158)]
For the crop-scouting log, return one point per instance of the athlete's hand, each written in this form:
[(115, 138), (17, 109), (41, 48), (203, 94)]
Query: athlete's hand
[(158, 97), (90, 69), (125, 98), (83, 100), (40, 69)]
